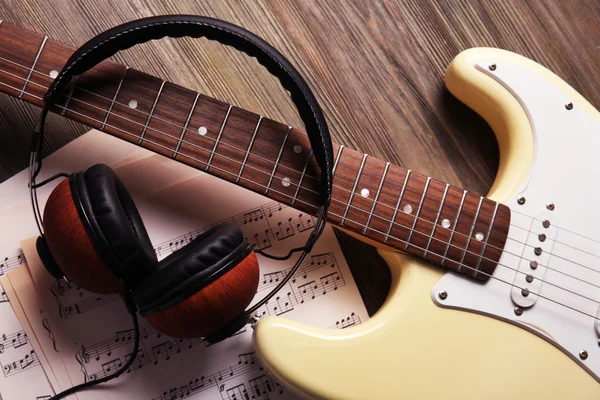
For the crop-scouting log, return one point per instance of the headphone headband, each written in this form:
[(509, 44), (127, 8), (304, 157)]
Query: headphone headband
[(143, 30)]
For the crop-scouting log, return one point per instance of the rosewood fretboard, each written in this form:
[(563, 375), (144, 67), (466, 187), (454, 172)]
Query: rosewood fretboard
[(448, 226)]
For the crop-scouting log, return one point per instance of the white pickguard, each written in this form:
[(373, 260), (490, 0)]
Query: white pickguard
[(565, 172)]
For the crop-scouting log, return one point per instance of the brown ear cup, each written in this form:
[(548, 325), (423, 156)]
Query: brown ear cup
[(212, 306), (96, 236), (71, 245)]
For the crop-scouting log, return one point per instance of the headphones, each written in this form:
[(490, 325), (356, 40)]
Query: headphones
[(93, 234)]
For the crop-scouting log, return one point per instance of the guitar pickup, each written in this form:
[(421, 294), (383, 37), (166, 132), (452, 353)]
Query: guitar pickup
[(537, 250)]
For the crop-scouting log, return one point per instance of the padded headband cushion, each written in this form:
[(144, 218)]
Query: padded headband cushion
[(191, 268), (114, 224)]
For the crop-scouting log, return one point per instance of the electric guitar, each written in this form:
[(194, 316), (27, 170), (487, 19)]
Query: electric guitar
[(492, 297)]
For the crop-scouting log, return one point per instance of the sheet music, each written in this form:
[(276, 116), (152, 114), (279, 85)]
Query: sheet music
[(22, 376), (93, 332)]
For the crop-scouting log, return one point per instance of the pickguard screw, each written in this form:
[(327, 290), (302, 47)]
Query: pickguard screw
[(550, 206), (583, 354), (533, 264), (492, 67), (542, 237), (569, 106), (521, 200), (518, 311), (443, 295), (546, 223)]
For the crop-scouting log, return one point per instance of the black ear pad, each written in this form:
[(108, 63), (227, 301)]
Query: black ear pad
[(114, 224), (47, 258), (188, 270)]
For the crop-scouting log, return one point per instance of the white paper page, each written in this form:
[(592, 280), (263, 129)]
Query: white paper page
[(90, 148), (94, 331), (22, 375), (17, 223)]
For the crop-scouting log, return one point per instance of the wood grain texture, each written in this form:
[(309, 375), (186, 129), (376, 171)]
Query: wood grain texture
[(376, 67)]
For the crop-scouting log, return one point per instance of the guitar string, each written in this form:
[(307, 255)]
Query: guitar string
[(408, 189), (403, 241), (289, 168), (181, 127), (376, 216)]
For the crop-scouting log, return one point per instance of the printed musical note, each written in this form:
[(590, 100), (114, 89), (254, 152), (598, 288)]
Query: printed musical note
[(14, 340), (253, 216), (216, 380), (351, 320), (304, 222), (14, 367), (237, 392), (111, 366), (11, 263), (3, 297), (330, 281), (315, 263), (284, 230)]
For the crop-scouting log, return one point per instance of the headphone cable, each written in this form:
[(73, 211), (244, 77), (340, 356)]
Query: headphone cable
[(136, 344)]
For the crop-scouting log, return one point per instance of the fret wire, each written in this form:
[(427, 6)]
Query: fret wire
[(454, 225), (358, 174), (187, 122), (166, 121), (302, 176), (71, 93), (151, 112), (449, 244), (412, 229), (332, 213), (471, 233), (337, 160), (437, 218), (487, 237), (249, 148), (212, 154), (278, 158), (249, 180), (397, 205), (33, 67), (387, 165), (112, 103)]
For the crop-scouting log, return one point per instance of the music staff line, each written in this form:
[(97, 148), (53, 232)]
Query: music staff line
[(14, 367), (13, 342), (258, 386), (60, 288), (11, 263)]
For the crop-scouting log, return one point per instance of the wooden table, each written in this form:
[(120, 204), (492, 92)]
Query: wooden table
[(377, 68)]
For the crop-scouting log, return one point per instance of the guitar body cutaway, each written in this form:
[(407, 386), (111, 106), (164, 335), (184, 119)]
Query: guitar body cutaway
[(412, 348)]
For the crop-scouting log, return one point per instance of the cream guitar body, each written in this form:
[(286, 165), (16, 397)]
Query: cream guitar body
[(441, 336)]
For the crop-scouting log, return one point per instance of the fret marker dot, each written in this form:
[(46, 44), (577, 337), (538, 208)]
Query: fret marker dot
[(446, 223), (407, 209), (286, 182), (133, 104), (297, 149), (479, 236), (365, 193), (53, 74), (202, 130)]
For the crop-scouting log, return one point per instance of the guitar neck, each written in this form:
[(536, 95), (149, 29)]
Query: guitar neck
[(447, 226)]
